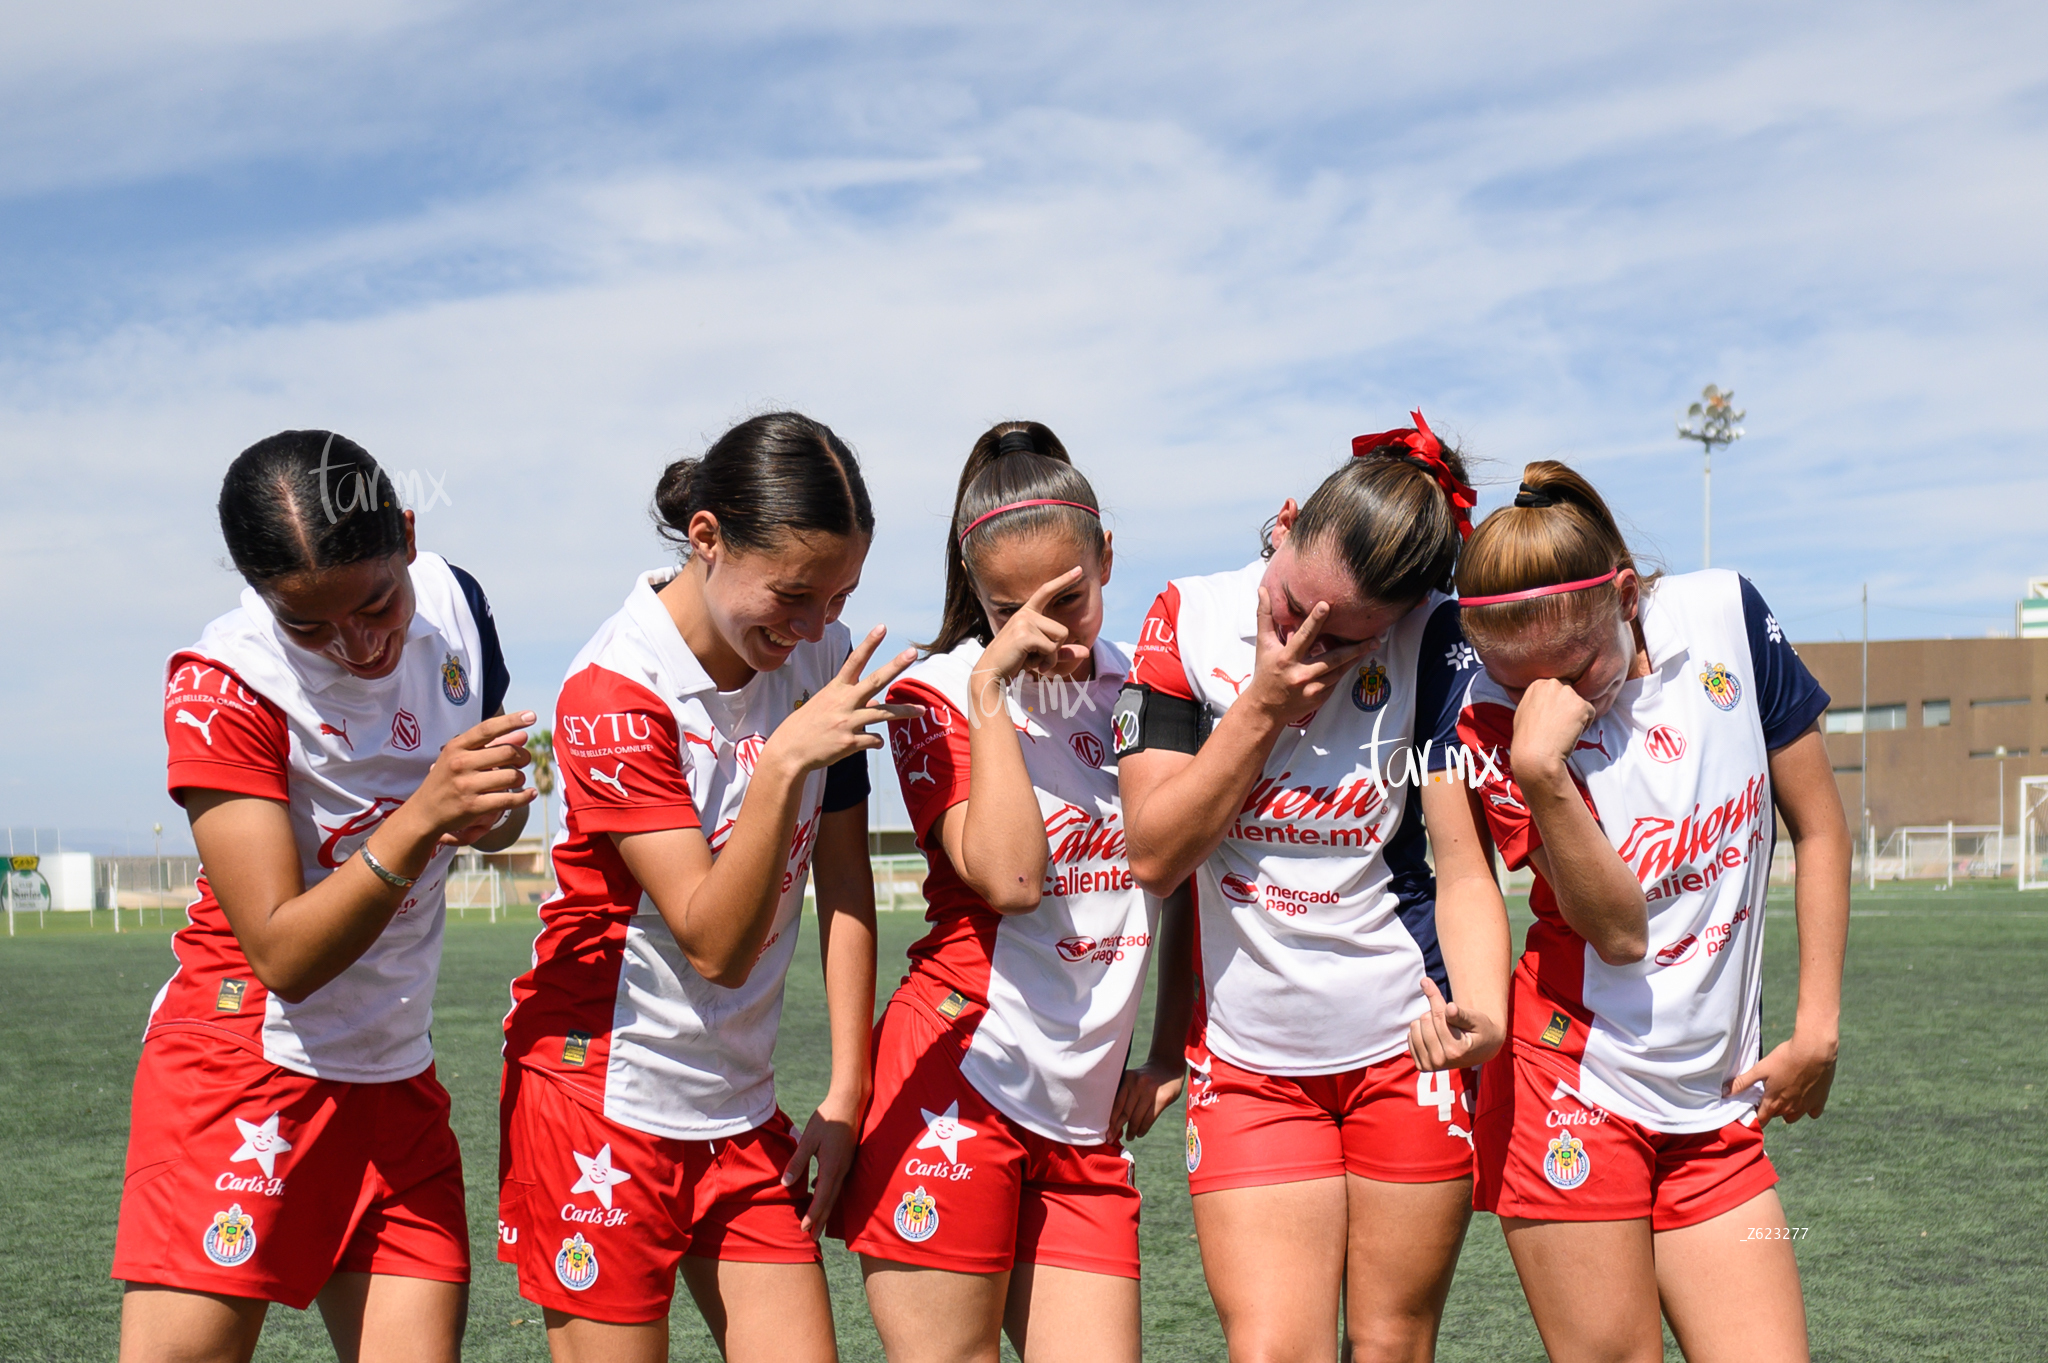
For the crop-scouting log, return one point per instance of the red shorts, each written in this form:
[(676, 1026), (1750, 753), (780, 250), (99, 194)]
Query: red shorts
[(597, 1215), (1546, 1156), (254, 1181), (1386, 1121), (944, 1180)]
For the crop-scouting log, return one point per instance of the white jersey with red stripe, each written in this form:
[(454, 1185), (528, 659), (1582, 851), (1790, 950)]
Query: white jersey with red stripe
[(1060, 984), (248, 712), (1678, 774), (1318, 909), (645, 741)]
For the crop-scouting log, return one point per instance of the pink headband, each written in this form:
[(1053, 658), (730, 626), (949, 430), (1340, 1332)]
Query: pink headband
[(1535, 592), (1019, 506)]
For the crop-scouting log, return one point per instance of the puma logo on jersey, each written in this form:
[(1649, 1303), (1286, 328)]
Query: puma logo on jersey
[(1501, 799), (1236, 683), (1598, 745), (341, 733), (615, 780), (923, 775), (709, 744), (205, 726)]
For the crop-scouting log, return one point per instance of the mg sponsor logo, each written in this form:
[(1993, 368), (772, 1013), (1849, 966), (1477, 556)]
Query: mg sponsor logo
[(1664, 743)]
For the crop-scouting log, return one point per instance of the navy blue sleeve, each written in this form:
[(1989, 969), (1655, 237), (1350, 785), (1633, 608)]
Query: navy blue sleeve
[(496, 680), (1443, 673), (846, 783), (1787, 696)]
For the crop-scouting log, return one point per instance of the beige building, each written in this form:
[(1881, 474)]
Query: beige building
[(1940, 710)]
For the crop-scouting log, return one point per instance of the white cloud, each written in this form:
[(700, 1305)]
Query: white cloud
[(1206, 249)]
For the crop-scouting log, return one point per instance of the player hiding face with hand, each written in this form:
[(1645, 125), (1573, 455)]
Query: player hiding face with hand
[(333, 740), (1287, 742), (1647, 735), (992, 1192), (713, 739)]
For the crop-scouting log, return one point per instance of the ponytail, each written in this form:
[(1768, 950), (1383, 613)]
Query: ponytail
[(1559, 535), (304, 500), (1017, 479), (766, 477), (1395, 513)]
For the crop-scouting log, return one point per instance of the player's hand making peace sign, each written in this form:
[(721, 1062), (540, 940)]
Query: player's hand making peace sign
[(1031, 641), (834, 723), (1288, 681)]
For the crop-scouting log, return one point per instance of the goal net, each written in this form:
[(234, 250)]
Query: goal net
[(2034, 833)]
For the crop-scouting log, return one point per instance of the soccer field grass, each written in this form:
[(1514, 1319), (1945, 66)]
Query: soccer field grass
[(1925, 1187)]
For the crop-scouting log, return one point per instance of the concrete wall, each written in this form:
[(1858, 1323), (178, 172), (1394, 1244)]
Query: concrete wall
[(1925, 774)]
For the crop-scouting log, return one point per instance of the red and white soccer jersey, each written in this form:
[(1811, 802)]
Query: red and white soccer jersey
[(247, 711), (644, 741), (1057, 988), (1678, 774), (1318, 910)]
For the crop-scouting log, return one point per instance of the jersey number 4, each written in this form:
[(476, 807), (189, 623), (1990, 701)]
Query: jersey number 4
[(1434, 1088)]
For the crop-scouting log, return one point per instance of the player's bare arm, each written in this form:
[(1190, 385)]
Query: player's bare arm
[(1472, 929), (1177, 806), (1798, 1072), (298, 939), (996, 837), (1596, 892), (846, 946), (720, 908), (1151, 1088)]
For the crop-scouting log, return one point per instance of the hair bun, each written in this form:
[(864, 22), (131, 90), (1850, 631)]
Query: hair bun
[(675, 496)]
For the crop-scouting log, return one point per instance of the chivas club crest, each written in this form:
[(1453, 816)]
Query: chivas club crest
[(917, 1215), (1567, 1164), (231, 1239), (1722, 687), (576, 1264), (454, 681), (1371, 690)]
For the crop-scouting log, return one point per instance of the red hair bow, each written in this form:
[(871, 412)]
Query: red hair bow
[(1422, 444)]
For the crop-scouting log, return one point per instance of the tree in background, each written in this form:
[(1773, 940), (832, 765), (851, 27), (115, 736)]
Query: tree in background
[(541, 745)]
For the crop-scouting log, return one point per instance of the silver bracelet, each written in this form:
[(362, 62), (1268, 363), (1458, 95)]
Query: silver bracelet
[(385, 873)]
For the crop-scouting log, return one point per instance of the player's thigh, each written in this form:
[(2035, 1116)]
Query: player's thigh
[(1404, 1244), (386, 1318), (1741, 1256), (576, 1339), (1274, 1260), (934, 1315), (1592, 1287), (1065, 1315), (763, 1311), (172, 1325)]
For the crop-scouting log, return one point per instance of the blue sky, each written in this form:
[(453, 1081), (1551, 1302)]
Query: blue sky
[(527, 255)]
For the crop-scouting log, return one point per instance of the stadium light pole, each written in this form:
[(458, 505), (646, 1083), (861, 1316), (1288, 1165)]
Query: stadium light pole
[(1863, 757), (2001, 754), (1711, 421)]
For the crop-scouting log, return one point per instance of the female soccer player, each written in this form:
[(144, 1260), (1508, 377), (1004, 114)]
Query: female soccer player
[(712, 740), (991, 1191), (1284, 738), (331, 740), (1642, 739)]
